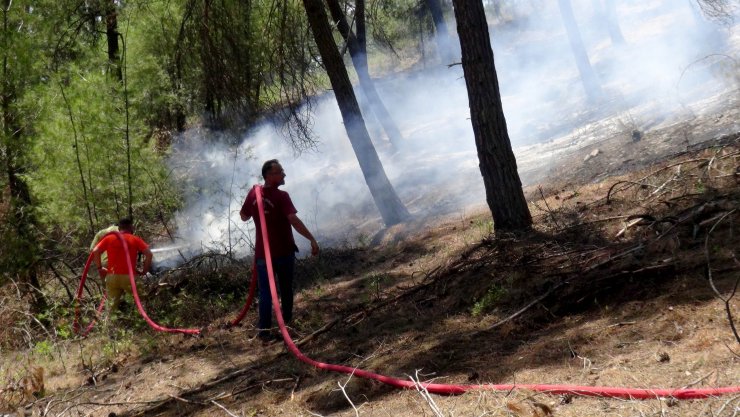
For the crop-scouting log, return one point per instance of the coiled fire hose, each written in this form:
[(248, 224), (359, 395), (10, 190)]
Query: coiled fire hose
[(76, 325), (591, 391)]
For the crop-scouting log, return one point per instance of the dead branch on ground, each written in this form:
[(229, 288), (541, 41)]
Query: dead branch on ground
[(726, 300)]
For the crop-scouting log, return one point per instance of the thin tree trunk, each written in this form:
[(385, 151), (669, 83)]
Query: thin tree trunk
[(497, 163), (588, 76), (111, 34), (206, 53), (79, 162), (112, 179), (390, 206), (360, 25), (444, 45), (90, 175), (612, 23), (21, 206), (129, 178), (709, 33), (356, 46)]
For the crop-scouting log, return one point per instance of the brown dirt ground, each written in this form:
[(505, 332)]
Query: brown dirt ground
[(618, 305)]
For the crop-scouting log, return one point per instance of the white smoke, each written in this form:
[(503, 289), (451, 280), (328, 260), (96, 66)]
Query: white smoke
[(666, 62)]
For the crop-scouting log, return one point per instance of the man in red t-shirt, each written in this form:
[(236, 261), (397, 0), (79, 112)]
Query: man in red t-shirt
[(116, 275), (280, 216)]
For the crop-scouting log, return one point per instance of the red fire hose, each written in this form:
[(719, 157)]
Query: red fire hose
[(152, 324), (592, 391), (614, 392)]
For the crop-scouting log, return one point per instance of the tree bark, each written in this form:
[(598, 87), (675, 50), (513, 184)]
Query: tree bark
[(444, 45), (390, 206), (111, 34), (612, 23), (497, 163), (356, 46), (25, 242), (588, 76), (79, 161)]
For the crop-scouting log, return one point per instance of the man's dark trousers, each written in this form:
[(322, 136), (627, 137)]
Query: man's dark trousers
[(283, 268)]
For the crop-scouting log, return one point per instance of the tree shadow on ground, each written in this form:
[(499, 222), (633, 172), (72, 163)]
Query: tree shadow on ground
[(431, 326)]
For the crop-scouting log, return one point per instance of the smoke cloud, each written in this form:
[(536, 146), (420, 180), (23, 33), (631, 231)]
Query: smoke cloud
[(672, 59)]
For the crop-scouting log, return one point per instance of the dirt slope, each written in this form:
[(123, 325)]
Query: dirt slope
[(592, 297)]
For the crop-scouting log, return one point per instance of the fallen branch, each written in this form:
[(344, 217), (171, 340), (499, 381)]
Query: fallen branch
[(186, 401), (691, 384), (609, 193), (728, 307), (223, 408), (346, 396), (621, 323), (322, 329), (161, 404), (680, 163), (549, 210), (528, 306), (295, 387), (606, 219), (629, 225), (422, 390), (248, 387)]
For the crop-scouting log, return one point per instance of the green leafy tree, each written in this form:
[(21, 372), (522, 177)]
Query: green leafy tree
[(20, 36), (82, 175)]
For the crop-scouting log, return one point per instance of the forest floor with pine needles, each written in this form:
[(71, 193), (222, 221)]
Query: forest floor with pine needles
[(628, 279)]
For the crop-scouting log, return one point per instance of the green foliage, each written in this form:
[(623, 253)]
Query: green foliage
[(81, 176), (74, 124), (488, 301), (485, 227), (64, 331), (700, 187), (22, 35), (120, 339), (397, 24), (363, 240), (375, 284), (44, 348)]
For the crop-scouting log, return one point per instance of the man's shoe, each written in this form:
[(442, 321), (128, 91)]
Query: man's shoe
[(267, 339)]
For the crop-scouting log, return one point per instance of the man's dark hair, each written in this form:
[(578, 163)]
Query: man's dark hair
[(267, 166), (126, 223)]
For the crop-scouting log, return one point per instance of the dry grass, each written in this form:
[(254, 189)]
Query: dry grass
[(611, 302)]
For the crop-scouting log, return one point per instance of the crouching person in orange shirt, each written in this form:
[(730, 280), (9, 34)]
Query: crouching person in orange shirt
[(116, 275)]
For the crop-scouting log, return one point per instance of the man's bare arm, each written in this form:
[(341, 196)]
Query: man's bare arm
[(303, 230), (98, 262), (96, 258), (147, 262)]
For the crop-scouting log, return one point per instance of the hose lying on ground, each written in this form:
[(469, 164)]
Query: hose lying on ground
[(592, 391), (555, 389)]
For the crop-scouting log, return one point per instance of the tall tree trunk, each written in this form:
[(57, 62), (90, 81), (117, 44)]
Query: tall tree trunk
[(390, 206), (588, 76), (709, 35), (612, 23), (79, 161), (444, 45), (605, 15), (127, 133), (111, 34), (356, 46), (497, 163), (360, 24), (206, 60), (25, 241)]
